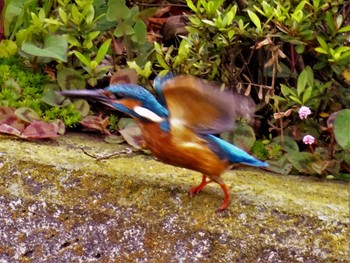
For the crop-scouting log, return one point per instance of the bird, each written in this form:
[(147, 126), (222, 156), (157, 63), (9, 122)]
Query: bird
[(181, 125)]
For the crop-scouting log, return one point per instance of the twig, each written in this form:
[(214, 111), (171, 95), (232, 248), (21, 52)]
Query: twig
[(98, 158)]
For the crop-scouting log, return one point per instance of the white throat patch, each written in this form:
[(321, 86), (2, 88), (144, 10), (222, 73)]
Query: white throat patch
[(146, 113)]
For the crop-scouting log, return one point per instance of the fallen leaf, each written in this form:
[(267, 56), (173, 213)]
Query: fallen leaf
[(96, 123), (39, 130), (7, 129), (133, 136)]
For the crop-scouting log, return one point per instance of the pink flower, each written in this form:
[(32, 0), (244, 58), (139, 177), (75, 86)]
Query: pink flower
[(304, 112), (308, 139)]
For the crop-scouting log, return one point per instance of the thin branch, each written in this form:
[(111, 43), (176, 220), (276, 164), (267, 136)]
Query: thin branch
[(98, 158)]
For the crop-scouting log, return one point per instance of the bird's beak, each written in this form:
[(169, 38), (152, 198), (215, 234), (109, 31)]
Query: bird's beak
[(97, 94), (100, 95)]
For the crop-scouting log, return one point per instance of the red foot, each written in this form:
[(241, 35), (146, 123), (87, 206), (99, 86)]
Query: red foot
[(226, 201), (198, 188)]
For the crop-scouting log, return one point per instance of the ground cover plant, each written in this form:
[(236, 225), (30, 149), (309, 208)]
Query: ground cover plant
[(291, 57)]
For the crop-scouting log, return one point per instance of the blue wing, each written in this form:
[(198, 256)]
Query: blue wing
[(158, 84), (227, 151)]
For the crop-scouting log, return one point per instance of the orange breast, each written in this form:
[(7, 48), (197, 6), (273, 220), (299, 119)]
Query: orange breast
[(181, 147)]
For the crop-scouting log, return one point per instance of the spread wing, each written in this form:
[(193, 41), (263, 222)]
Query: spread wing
[(201, 106)]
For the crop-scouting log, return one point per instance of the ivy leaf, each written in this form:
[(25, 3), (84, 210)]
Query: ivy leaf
[(342, 128), (140, 32), (117, 10), (55, 46), (54, 99), (69, 78), (27, 114)]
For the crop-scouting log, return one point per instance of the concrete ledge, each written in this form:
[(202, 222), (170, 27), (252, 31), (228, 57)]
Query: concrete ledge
[(59, 205)]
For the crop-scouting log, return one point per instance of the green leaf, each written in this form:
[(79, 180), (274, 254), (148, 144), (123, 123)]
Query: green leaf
[(330, 21), (289, 144), (102, 51), (117, 10), (134, 65), (243, 136), (54, 99), (310, 75), (76, 15), (300, 49), (147, 13), (158, 48), (255, 19), (281, 166), (323, 44), (307, 94), (63, 15), (191, 5), (161, 61), (320, 65), (92, 35), (298, 15), (316, 3), (82, 106), (73, 42), (211, 8), (68, 78), (82, 58), (231, 14), (300, 6), (342, 49), (147, 70), (89, 17), (302, 80), (342, 128), (286, 90), (296, 99), (321, 50), (8, 48), (303, 162), (123, 29), (55, 46), (27, 114), (344, 29), (140, 32)]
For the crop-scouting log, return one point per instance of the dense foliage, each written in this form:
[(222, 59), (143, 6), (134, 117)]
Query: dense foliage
[(292, 57)]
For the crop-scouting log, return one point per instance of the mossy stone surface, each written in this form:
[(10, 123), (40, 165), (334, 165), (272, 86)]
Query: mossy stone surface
[(59, 205)]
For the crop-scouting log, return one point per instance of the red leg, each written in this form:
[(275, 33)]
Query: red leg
[(198, 188), (226, 198)]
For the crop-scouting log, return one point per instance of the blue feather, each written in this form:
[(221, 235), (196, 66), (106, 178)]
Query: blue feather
[(147, 100), (158, 84), (227, 151), (139, 93)]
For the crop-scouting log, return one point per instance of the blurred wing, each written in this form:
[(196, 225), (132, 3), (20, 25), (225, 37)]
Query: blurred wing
[(231, 153), (198, 105), (158, 84)]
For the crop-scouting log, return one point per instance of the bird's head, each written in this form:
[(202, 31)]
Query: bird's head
[(131, 99)]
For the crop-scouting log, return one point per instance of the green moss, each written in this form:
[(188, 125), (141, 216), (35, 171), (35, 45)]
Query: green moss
[(269, 216), (20, 87)]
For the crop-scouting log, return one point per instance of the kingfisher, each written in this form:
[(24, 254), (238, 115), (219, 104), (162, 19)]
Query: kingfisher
[(180, 127)]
